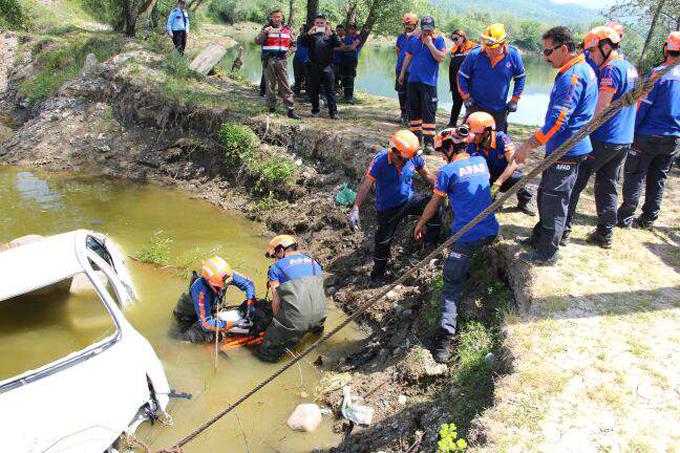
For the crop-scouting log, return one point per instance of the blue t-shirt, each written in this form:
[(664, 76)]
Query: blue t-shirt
[(659, 112), (489, 83), (465, 181), (497, 156), (294, 267), (402, 44), (617, 76), (423, 67), (571, 106), (302, 52), (393, 185), (348, 41)]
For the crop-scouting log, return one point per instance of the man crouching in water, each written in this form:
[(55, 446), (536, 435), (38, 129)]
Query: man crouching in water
[(298, 299)]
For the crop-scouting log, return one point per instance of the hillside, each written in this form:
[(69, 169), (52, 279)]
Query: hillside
[(548, 11)]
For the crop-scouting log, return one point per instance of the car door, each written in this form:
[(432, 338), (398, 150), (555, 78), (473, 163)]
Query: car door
[(109, 252)]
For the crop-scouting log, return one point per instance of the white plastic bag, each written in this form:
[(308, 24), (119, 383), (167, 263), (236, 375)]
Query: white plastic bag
[(305, 417), (361, 415)]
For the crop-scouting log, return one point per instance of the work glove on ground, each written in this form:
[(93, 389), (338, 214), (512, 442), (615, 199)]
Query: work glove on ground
[(354, 222), (511, 106), (469, 103), (495, 190)]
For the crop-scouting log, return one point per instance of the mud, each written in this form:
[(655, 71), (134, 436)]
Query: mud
[(111, 121)]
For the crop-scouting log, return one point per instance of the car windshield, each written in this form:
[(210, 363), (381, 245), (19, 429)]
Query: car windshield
[(47, 324)]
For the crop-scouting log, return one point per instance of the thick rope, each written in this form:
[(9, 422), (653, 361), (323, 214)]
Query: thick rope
[(643, 87)]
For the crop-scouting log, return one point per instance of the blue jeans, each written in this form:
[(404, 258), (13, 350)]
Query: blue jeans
[(455, 274)]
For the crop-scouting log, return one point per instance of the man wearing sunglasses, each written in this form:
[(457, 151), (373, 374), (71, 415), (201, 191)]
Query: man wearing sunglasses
[(484, 79), (572, 105)]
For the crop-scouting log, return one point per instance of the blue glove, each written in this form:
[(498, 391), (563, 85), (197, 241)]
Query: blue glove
[(511, 106)]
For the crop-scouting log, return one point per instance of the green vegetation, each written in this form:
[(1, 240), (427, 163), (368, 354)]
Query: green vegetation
[(60, 60), (156, 251), (232, 11), (15, 15), (238, 142), (448, 439)]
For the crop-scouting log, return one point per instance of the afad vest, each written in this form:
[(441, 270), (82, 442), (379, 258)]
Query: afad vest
[(278, 41)]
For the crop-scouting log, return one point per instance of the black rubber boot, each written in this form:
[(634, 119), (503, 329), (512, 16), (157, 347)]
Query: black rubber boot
[(441, 346), (523, 207), (599, 239)]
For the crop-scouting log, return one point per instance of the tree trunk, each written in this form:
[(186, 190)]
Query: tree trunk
[(645, 47), (372, 17), (194, 4), (147, 7), (351, 17), (130, 17), (312, 9), (291, 12)]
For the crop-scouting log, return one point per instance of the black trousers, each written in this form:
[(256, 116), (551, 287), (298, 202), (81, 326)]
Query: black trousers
[(263, 83), (554, 193), (300, 75), (455, 108), (648, 164), (322, 75), (179, 39), (422, 110), (500, 118), (402, 93), (348, 72), (605, 161), (389, 220), (523, 195)]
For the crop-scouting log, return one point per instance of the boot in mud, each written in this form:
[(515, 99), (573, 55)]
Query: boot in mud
[(441, 346), (378, 278), (524, 208)]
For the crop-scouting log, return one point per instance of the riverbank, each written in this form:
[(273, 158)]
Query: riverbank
[(559, 379)]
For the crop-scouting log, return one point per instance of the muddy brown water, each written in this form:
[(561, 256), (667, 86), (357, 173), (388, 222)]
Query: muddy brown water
[(33, 202)]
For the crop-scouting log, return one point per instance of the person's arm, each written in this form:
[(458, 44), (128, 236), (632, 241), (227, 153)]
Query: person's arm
[(437, 48), (404, 67), (208, 322), (187, 15), (568, 92), (464, 74), (397, 49), (610, 81), (244, 284), (276, 301), (362, 192), (520, 78), (510, 158), (259, 39), (429, 212), (168, 25), (424, 171), (644, 104), (356, 43)]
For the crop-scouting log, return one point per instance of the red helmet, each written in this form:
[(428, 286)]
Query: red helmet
[(410, 19)]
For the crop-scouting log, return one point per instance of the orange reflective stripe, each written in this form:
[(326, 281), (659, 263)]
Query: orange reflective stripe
[(543, 138), (609, 89), (201, 309), (577, 59), (439, 192), (515, 99)]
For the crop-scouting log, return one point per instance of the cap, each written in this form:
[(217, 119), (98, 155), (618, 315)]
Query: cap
[(427, 23)]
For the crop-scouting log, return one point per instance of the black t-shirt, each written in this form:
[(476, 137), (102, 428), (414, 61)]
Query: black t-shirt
[(321, 47)]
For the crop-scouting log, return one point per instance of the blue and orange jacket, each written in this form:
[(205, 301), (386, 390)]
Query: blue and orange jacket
[(499, 154), (488, 82), (205, 299), (659, 112), (572, 105)]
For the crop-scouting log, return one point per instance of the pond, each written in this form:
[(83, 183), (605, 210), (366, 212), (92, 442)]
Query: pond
[(375, 75), (34, 202)]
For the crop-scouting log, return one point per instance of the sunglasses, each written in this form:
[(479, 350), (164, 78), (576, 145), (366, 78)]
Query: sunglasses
[(456, 38), (548, 52)]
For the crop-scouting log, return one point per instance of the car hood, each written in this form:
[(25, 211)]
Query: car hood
[(82, 408)]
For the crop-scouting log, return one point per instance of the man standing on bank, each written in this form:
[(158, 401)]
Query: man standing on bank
[(178, 26), (276, 39)]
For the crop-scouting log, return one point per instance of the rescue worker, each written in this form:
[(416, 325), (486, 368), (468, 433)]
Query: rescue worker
[(571, 106), (337, 57), (392, 171), (196, 308), (410, 22), (498, 151), (276, 39), (618, 28), (465, 181), (298, 298), (178, 26), (422, 60), (300, 61), (485, 76), (349, 61), (611, 141), (460, 49), (321, 41), (657, 138)]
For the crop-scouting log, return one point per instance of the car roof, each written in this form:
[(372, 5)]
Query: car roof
[(41, 263)]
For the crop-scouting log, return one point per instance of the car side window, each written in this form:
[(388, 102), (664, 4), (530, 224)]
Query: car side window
[(97, 247)]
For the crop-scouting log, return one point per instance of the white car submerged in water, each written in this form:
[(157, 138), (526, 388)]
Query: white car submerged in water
[(74, 374)]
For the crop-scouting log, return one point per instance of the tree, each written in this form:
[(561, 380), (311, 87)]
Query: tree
[(312, 9), (655, 19)]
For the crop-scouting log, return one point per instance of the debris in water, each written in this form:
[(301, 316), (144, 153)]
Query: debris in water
[(318, 362), (355, 413), (305, 417), (96, 222)]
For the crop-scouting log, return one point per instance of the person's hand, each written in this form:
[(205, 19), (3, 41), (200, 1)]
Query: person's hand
[(428, 40), (419, 232), (495, 188), (469, 103), (522, 153), (268, 29), (354, 221), (401, 78), (170, 34), (328, 30), (511, 106)]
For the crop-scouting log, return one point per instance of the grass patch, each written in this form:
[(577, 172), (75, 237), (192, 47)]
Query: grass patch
[(156, 251), (60, 60)]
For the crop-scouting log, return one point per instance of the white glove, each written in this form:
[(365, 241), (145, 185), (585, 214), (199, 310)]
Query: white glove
[(354, 222)]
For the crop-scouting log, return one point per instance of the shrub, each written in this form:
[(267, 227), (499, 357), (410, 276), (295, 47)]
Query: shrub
[(229, 11), (448, 439), (274, 172), (15, 15), (238, 142), (156, 251)]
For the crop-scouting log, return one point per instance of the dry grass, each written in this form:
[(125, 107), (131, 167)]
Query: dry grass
[(596, 348)]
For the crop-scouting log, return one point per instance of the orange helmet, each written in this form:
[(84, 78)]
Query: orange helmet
[(616, 26), (598, 34), (479, 122), (455, 134), (282, 240), (405, 143), (216, 271), (410, 19), (672, 43)]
